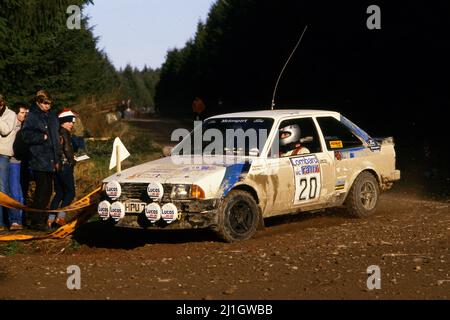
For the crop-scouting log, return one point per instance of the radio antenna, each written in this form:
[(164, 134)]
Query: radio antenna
[(287, 62)]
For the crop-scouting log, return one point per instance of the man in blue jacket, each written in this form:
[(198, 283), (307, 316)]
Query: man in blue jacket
[(40, 132)]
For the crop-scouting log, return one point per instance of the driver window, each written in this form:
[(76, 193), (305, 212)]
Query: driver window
[(296, 137)]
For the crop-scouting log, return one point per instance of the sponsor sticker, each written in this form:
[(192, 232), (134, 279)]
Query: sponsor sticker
[(155, 190), (117, 211), (336, 144), (103, 210), (307, 179), (153, 212), (169, 212), (113, 190)]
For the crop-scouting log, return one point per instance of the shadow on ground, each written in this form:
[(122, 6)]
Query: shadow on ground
[(101, 235)]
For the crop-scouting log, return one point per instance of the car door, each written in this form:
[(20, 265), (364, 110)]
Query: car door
[(344, 147), (305, 178)]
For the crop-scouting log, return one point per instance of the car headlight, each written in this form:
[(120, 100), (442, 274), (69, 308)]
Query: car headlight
[(180, 191), (187, 191)]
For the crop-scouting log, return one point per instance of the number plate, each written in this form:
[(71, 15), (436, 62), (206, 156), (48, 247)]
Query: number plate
[(135, 207)]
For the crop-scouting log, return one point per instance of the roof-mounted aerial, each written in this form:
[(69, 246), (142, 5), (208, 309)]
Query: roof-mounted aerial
[(281, 73)]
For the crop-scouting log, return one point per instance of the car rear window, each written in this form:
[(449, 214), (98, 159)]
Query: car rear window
[(337, 135)]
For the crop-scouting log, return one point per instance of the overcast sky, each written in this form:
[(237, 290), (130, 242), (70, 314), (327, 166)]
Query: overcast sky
[(140, 32)]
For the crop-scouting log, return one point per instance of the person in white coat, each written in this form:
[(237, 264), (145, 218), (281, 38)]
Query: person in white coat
[(7, 136)]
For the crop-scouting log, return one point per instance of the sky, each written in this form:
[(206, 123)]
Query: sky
[(139, 32)]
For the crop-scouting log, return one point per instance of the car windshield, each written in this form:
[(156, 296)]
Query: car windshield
[(227, 136)]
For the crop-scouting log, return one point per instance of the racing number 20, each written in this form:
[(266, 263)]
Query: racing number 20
[(306, 184)]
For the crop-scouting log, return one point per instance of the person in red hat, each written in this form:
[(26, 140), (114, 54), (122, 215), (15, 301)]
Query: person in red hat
[(64, 180)]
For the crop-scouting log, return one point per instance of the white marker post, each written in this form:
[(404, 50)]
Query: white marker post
[(119, 154), (119, 163)]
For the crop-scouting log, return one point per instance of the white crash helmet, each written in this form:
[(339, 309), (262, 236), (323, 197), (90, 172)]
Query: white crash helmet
[(294, 134)]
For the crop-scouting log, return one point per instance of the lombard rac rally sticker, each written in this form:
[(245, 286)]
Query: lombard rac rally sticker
[(307, 179), (169, 212), (103, 210), (153, 212), (117, 211), (113, 190), (155, 190)]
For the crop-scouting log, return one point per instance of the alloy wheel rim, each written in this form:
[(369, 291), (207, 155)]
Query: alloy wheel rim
[(240, 217), (368, 195)]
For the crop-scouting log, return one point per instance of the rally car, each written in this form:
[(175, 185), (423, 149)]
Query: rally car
[(234, 170)]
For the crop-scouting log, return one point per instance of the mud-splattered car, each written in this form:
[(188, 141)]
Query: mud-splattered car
[(234, 170)]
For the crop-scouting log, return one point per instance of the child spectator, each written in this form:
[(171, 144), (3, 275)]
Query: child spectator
[(64, 181)]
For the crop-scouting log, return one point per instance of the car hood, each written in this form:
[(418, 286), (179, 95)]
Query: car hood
[(212, 174)]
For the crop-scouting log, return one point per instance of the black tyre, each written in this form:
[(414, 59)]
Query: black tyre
[(363, 196), (238, 217)]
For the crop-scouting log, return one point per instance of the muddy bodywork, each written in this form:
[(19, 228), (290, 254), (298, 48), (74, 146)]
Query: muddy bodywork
[(279, 185)]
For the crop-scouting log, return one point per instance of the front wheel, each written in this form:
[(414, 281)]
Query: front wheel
[(238, 217), (363, 196)]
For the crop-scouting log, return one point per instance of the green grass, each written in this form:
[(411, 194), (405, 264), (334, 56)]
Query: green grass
[(75, 245), (12, 248)]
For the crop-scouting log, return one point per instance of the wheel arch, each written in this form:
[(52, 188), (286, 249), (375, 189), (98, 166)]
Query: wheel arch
[(249, 189), (372, 171)]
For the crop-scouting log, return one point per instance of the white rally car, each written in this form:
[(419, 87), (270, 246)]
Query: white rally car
[(250, 166)]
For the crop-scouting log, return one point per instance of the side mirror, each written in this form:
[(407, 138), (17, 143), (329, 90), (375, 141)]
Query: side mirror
[(307, 139), (167, 151), (254, 152)]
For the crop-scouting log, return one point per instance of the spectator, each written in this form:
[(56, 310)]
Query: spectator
[(15, 169), (22, 150), (121, 109), (64, 180), (7, 136), (198, 107), (78, 143), (40, 132), (129, 114)]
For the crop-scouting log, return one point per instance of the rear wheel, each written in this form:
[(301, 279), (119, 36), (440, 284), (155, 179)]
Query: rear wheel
[(238, 217), (363, 196)]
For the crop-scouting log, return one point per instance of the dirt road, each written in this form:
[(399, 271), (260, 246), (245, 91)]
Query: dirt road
[(309, 256)]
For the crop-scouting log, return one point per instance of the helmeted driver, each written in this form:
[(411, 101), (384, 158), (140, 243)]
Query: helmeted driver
[(290, 141)]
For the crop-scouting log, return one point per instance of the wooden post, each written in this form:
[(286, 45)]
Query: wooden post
[(119, 163)]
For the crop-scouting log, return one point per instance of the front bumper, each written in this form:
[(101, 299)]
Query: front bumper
[(192, 214)]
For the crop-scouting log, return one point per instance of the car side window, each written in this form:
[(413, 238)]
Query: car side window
[(337, 135), (297, 136)]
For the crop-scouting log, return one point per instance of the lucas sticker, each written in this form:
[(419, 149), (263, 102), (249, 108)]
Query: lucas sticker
[(307, 179)]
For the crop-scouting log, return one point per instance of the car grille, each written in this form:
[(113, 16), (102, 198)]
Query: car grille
[(138, 191)]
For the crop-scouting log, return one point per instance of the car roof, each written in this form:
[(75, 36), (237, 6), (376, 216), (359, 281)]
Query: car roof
[(277, 114)]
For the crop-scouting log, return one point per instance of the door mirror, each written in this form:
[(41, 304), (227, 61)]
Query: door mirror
[(254, 152)]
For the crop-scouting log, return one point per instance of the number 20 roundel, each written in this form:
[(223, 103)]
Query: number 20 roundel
[(307, 179)]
